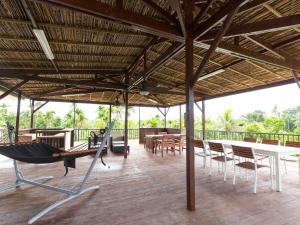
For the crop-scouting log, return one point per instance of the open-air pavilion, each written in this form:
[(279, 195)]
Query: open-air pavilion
[(152, 54)]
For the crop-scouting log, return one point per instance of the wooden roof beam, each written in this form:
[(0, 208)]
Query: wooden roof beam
[(170, 18), (76, 28), (278, 45), (251, 55), (202, 13), (137, 21), (14, 88), (169, 53), (176, 6), (214, 46), (267, 46), (79, 83), (205, 27), (277, 13), (260, 27), (70, 42), (91, 102), (52, 71)]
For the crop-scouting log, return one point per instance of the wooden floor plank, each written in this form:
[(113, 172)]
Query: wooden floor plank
[(147, 189)]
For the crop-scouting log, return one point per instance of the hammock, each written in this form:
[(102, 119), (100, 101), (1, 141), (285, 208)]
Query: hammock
[(41, 153)]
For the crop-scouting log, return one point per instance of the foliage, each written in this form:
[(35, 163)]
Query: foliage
[(255, 116), (254, 127), (155, 121), (227, 121), (80, 120), (274, 125)]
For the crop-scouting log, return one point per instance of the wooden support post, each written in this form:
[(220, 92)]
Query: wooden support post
[(165, 115), (139, 117), (295, 78), (126, 119), (180, 118), (18, 116), (74, 115), (190, 160), (110, 119), (203, 120), (32, 114)]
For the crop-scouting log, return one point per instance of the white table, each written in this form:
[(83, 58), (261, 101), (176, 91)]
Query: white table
[(271, 150)]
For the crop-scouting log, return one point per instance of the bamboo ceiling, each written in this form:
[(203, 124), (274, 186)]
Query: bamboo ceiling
[(93, 54)]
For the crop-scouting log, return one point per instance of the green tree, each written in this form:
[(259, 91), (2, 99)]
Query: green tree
[(255, 116), (274, 125), (254, 127), (227, 121), (80, 120)]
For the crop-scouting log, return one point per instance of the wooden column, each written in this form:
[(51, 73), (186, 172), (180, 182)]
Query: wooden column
[(74, 115), (203, 120), (190, 160), (110, 119), (139, 117), (32, 114), (180, 118), (126, 117), (18, 116), (165, 114)]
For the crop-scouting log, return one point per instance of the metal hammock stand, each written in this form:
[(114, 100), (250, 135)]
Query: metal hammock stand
[(70, 193)]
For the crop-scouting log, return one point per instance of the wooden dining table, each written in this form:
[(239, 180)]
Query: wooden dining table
[(150, 140)]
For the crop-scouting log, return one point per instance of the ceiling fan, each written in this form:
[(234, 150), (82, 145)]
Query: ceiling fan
[(147, 87)]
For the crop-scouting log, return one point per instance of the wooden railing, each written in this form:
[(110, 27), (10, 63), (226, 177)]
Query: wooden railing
[(83, 134), (239, 135)]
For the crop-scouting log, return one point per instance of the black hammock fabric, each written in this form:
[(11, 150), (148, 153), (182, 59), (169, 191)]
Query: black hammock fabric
[(31, 153), (39, 153)]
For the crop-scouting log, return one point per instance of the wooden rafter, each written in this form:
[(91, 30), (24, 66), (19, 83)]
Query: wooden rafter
[(169, 53), (70, 42), (251, 55), (82, 83), (21, 71), (176, 6), (202, 29), (202, 13), (268, 47), (214, 45), (260, 27), (99, 9), (170, 18), (75, 28), (14, 88)]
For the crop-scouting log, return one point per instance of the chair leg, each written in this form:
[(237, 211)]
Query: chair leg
[(210, 165), (271, 172), (225, 170), (204, 161), (284, 160), (234, 170), (255, 181)]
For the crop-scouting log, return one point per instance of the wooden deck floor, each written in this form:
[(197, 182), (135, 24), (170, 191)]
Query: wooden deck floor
[(148, 189)]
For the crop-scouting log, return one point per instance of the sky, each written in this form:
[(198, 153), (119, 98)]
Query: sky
[(284, 97)]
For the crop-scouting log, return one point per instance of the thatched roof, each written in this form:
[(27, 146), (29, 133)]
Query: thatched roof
[(89, 47)]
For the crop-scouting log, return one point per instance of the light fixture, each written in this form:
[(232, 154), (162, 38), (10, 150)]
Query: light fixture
[(152, 100), (41, 37), (145, 89), (211, 74), (71, 95)]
